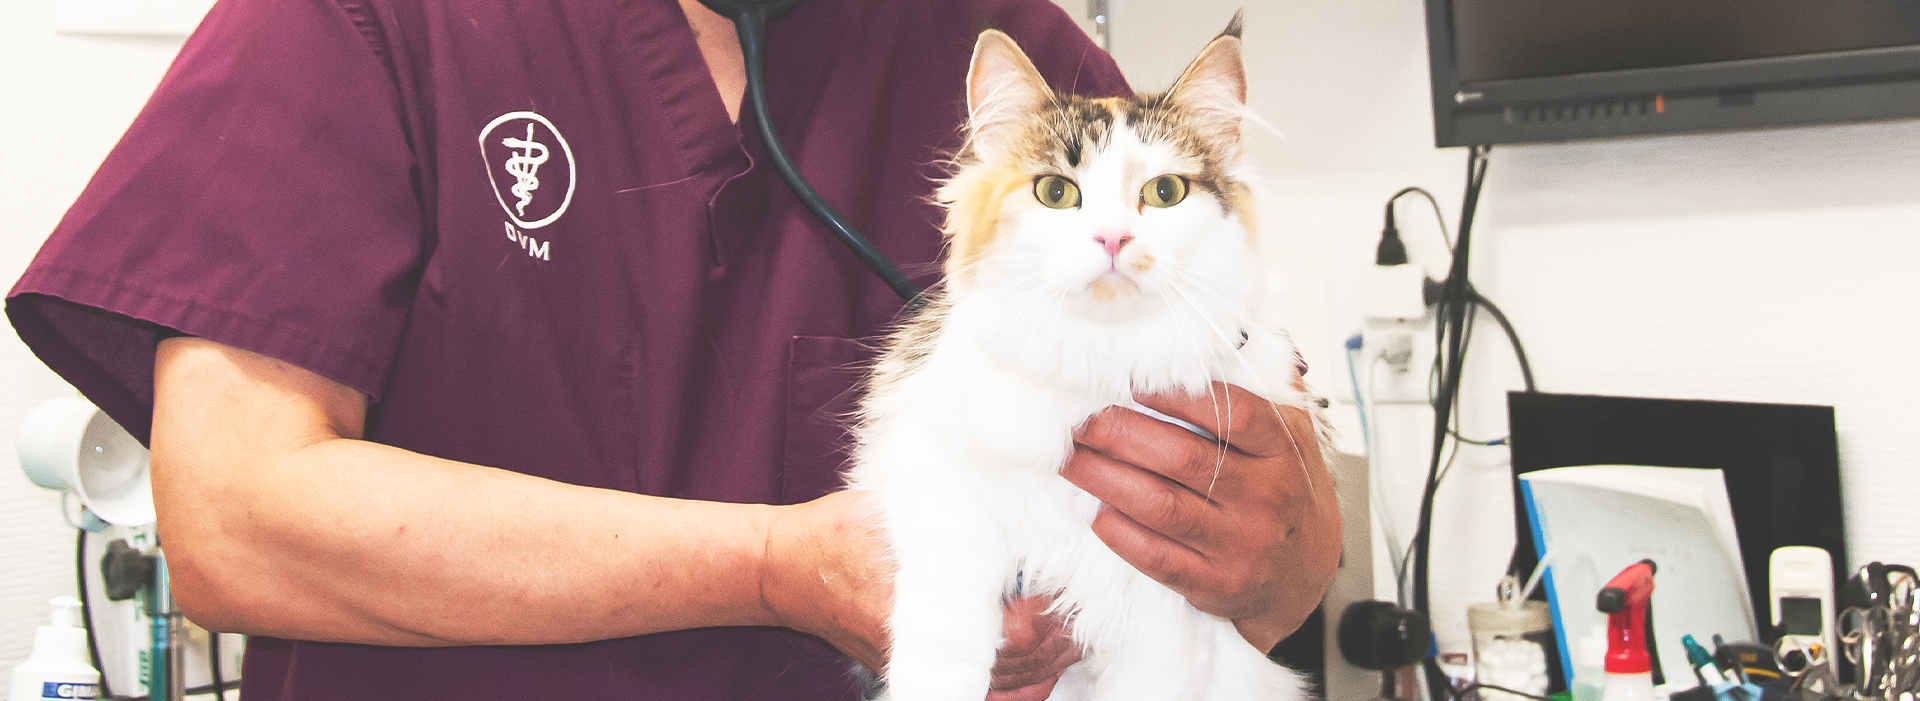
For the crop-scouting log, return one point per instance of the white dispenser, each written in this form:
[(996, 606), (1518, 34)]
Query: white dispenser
[(59, 667)]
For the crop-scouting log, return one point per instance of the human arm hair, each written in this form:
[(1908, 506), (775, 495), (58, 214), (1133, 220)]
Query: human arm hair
[(277, 519)]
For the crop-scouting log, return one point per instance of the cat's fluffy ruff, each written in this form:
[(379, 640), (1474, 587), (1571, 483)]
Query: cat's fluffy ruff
[(970, 414)]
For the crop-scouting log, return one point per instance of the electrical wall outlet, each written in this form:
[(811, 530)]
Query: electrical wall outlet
[(1388, 312), (1393, 365), (1404, 353)]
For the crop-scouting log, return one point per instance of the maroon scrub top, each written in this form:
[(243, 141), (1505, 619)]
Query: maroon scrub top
[(529, 232)]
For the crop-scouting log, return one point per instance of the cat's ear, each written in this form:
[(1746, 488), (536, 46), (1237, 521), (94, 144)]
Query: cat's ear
[(1003, 87), (1213, 91)]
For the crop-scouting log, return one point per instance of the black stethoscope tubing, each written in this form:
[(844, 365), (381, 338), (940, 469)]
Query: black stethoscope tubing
[(750, 20)]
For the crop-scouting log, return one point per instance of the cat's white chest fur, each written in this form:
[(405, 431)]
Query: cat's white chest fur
[(964, 458)]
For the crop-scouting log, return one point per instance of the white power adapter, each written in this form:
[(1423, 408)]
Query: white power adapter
[(1393, 293)]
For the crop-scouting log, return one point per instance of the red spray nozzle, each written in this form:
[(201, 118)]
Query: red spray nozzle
[(1625, 599)]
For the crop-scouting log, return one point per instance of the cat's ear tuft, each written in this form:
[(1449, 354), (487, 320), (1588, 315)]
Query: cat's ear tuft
[(1234, 25), (1213, 90), (1003, 87)]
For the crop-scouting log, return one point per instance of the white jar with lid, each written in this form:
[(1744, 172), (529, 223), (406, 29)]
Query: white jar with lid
[(1509, 644)]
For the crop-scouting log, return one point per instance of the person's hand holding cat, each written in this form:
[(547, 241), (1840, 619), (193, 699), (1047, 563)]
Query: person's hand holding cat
[(827, 574), (1037, 649), (1250, 532)]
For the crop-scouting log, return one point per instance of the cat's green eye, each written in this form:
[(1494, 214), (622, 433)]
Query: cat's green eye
[(1056, 191), (1164, 191)]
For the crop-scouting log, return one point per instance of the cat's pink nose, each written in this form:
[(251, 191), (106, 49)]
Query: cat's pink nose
[(1112, 240)]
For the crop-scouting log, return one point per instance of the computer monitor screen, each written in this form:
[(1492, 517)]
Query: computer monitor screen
[(1781, 463), (1510, 71)]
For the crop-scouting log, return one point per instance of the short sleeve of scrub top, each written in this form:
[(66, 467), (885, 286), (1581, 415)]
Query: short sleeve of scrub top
[(202, 219)]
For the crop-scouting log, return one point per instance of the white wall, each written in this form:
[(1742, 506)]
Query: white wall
[(1773, 266), (66, 100)]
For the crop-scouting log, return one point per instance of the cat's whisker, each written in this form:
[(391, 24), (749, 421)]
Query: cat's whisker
[(1247, 115), (1034, 295), (1299, 457), (1229, 337), (1220, 419)]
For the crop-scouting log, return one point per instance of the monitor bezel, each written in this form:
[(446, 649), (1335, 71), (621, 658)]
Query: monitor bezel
[(1818, 88)]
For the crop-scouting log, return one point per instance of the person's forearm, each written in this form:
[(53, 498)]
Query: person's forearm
[(276, 521), (357, 542)]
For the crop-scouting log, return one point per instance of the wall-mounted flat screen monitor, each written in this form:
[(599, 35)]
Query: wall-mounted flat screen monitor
[(1520, 71)]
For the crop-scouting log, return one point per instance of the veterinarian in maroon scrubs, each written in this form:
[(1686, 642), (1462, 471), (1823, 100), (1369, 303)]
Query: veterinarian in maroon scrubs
[(528, 235)]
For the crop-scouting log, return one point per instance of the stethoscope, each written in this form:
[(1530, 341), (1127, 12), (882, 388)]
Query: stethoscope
[(750, 19)]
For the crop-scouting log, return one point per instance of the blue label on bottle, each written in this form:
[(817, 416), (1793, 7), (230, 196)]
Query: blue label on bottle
[(69, 690)]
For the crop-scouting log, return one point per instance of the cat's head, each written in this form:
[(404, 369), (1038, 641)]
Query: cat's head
[(1111, 209)]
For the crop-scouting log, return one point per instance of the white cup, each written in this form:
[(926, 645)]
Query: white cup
[(68, 444)]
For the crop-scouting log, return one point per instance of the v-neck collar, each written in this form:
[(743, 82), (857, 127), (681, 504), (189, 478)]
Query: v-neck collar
[(709, 145), (708, 142), (705, 140)]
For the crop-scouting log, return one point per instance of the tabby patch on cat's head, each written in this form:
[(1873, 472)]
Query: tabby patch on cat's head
[(1099, 200)]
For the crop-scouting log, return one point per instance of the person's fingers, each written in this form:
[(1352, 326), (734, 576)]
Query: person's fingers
[(1034, 692), (1037, 647), (1246, 529), (1164, 449), (1037, 651), (1239, 417), (1166, 560), (1147, 497)]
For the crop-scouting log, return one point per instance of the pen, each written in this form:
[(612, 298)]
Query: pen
[(1702, 662)]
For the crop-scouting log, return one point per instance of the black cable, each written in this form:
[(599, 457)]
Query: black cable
[(1453, 309), (206, 690), (219, 685), (1454, 304), (750, 20), (1519, 351), (213, 665), (1456, 309), (1431, 201), (1520, 354), (86, 608), (1433, 381), (1406, 555), (1462, 692)]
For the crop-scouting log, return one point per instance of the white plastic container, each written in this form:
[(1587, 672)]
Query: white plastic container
[(1628, 687), (59, 667), (1509, 644)]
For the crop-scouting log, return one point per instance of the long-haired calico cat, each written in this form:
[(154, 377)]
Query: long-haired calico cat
[(1099, 248)]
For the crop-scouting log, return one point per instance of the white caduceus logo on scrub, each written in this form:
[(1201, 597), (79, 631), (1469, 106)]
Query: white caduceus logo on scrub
[(530, 166), (525, 167)]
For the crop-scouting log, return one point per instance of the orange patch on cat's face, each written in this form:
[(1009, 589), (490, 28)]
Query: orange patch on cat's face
[(978, 214), (1111, 287), (1141, 262)]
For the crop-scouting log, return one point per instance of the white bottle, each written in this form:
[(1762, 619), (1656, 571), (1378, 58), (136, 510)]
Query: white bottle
[(59, 667), (1628, 687)]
